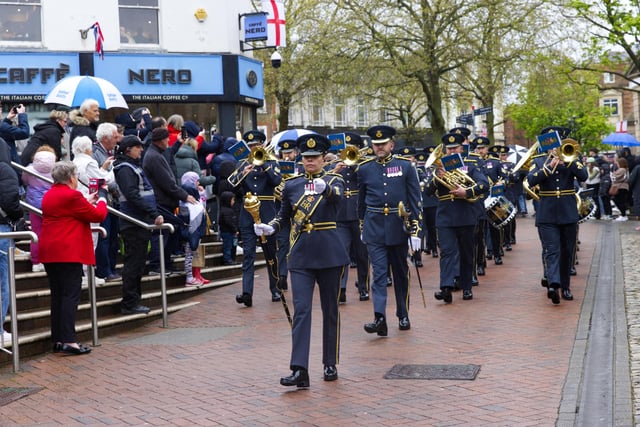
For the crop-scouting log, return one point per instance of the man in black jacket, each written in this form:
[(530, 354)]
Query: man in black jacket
[(138, 201), (168, 195), (10, 211)]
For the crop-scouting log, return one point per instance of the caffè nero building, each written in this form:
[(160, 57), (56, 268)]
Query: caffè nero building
[(171, 56)]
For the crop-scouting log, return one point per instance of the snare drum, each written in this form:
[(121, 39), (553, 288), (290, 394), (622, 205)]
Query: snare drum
[(586, 207), (500, 211)]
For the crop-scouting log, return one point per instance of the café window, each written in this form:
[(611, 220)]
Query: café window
[(138, 21), (20, 21)]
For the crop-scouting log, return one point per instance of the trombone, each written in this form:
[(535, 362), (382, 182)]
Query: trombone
[(568, 152)]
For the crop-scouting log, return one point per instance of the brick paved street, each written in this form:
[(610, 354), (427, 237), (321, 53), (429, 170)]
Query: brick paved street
[(220, 364)]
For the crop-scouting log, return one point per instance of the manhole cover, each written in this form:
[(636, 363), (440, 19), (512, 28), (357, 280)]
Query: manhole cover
[(433, 372), (9, 394)]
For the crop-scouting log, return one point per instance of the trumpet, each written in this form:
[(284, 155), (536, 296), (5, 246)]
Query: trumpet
[(350, 155), (450, 179), (567, 153), (258, 156)]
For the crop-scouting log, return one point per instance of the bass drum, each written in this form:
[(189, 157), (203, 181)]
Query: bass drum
[(500, 211), (586, 208)]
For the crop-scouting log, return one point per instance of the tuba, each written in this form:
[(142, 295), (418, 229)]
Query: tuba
[(525, 161), (451, 179)]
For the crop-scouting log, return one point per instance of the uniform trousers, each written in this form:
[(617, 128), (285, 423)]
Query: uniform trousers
[(558, 246), (283, 250), (480, 243), (350, 235), (65, 282), (136, 241), (496, 239), (249, 242), (382, 257), (456, 255), (107, 247), (302, 286), (429, 221)]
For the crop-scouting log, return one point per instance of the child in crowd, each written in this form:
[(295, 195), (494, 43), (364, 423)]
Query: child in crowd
[(228, 222), (43, 161), (194, 256)]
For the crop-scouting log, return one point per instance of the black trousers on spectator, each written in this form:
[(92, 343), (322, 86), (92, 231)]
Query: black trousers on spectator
[(135, 240), (65, 282)]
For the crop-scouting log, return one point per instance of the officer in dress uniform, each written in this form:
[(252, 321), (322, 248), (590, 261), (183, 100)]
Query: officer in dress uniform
[(348, 223), (310, 203), (261, 182), (456, 219), (493, 172), (429, 205), (288, 152), (384, 181), (557, 215)]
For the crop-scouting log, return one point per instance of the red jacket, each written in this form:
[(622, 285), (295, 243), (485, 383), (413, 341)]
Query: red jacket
[(66, 226)]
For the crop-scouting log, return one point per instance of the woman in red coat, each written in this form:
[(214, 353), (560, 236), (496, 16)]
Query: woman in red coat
[(65, 245)]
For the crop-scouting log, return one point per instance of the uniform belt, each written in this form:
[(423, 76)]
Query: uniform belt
[(317, 226), (385, 210), (556, 193), (267, 198), (349, 193)]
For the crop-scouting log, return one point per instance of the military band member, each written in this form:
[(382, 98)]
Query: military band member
[(261, 182), (456, 220), (557, 215), (510, 193), (288, 152), (383, 182), (349, 224), (429, 206), (409, 153), (494, 174), (310, 203)]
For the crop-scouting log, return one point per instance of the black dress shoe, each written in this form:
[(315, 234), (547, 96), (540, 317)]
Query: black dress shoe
[(275, 296), (389, 281), (507, 247), (364, 296), (467, 295), (244, 298), (573, 271), (489, 256), (138, 309), (480, 270), (427, 251), (342, 295), (498, 260), (298, 378), (57, 347), (70, 350), (434, 253), (552, 294), (544, 282), (352, 264), (566, 294), (378, 326), (419, 263), (444, 294), (330, 373), (404, 324), (474, 281)]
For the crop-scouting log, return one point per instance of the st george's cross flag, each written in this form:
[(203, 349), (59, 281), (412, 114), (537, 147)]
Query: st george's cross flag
[(276, 23)]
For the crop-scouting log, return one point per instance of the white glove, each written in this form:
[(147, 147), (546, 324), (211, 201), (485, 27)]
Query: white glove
[(415, 243), (319, 185), (265, 229)]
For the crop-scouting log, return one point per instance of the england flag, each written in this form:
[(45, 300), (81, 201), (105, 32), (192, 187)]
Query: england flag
[(276, 23)]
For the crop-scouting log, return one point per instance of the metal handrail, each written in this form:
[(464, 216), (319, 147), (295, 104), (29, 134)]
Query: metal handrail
[(11, 273), (137, 222)]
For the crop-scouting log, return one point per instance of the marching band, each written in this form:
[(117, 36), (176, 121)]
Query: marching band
[(381, 207)]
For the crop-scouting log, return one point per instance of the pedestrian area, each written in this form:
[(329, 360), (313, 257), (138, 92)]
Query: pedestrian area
[(219, 363)]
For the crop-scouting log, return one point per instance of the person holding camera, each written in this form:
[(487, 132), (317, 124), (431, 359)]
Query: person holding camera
[(14, 126)]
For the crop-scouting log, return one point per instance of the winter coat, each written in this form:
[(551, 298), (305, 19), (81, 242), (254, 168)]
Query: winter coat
[(47, 133), (81, 126), (228, 217), (187, 161), (43, 162), (10, 194), (158, 172)]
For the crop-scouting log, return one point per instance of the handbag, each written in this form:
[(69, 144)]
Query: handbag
[(613, 190)]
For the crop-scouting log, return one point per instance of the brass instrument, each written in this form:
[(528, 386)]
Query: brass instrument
[(567, 153), (450, 179), (350, 155), (525, 161), (531, 192), (252, 205), (258, 156)]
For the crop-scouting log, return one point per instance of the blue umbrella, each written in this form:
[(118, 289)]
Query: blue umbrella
[(621, 139)]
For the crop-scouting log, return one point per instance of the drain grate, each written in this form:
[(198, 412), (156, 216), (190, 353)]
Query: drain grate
[(10, 394), (433, 372)]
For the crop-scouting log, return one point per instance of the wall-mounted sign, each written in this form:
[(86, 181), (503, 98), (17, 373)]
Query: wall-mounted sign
[(255, 27)]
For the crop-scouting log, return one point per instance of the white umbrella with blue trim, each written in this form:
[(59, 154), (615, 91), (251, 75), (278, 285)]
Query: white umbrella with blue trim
[(72, 91), (286, 135)]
